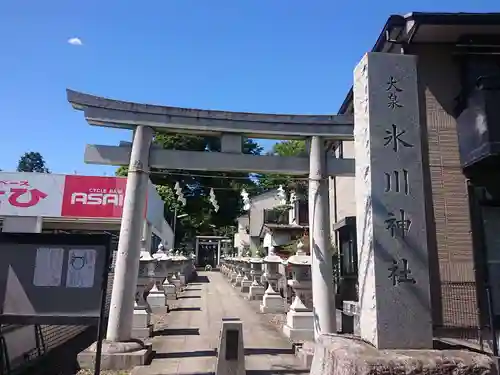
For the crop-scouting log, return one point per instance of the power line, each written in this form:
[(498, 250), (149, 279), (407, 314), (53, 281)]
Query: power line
[(223, 177)]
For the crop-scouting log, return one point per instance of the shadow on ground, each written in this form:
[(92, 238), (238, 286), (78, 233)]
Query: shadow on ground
[(185, 309), (191, 354), (255, 372), (213, 353), (188, 297), (200, 280), (177, 332), (268, 351)]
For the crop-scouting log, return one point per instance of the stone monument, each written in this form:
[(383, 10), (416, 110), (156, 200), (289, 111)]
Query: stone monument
[(394, 288), (231, 350)]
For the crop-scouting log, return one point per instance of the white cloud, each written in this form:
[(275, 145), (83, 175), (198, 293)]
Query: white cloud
[(75, 41)]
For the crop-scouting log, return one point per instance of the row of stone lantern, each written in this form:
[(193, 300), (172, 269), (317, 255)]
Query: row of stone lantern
[(249, 274), (161, 277)]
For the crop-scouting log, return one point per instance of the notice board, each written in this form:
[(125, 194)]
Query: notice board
[(53, 278)]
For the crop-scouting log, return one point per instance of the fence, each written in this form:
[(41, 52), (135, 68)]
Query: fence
[(460, 315)]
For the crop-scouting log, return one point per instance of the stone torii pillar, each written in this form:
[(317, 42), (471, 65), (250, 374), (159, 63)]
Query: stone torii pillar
[(321, 259), (129, 245)]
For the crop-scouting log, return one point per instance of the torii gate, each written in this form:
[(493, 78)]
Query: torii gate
[(392, 222), (144, 120)]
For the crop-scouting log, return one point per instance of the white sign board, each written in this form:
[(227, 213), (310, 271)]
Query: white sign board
[(31, 194), (81, 268), (48, 267)]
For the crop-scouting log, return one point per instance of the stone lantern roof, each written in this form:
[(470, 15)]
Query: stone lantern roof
[(300, 258), (161, 255), (146, 256), (272, 257), (256, 260)]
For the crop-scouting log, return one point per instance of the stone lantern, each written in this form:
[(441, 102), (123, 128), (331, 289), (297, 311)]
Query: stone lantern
[(300, 318), (192, 257), (230, 267), (247, 280), (256, 290), (239, 272), (177, 266), (272, 302), (141, 323), (223, 265), (157, 296), (169, 286), (185, 269), (234, 270)]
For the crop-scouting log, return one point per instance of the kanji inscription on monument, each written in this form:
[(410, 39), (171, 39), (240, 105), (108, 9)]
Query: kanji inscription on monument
[(390, 210), (400, 272)]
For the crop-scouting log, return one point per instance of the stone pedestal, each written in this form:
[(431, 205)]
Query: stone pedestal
[(239, 276), (300, 318), (343, 355), (393, 278), (256, 290), (183, 279), (272, 302), (169, 289), (246, 282), (162, 272), (156, 297), (234, 270), (233, 274), (141, 322), (299, 325), (176, 282)]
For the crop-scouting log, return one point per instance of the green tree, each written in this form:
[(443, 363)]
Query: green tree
[(32, 162), (201, 219), (272, 181)]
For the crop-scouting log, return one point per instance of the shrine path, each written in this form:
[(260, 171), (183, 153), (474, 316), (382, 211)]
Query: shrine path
[(185, 342)]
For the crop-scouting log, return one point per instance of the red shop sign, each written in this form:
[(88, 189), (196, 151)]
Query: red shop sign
[(93, 196)]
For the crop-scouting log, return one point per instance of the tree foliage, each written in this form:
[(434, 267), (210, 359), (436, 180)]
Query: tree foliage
[(272, 181), (32, 162)]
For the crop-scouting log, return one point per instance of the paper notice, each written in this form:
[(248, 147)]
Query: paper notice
[(48, 266), (81, 268)]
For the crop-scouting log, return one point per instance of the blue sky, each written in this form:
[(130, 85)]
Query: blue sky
[(281, 56)]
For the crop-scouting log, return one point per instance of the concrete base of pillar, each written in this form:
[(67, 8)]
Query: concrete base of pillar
[(256, 292), (245, 285), (272, 302), (156, 298), (116, 355)]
